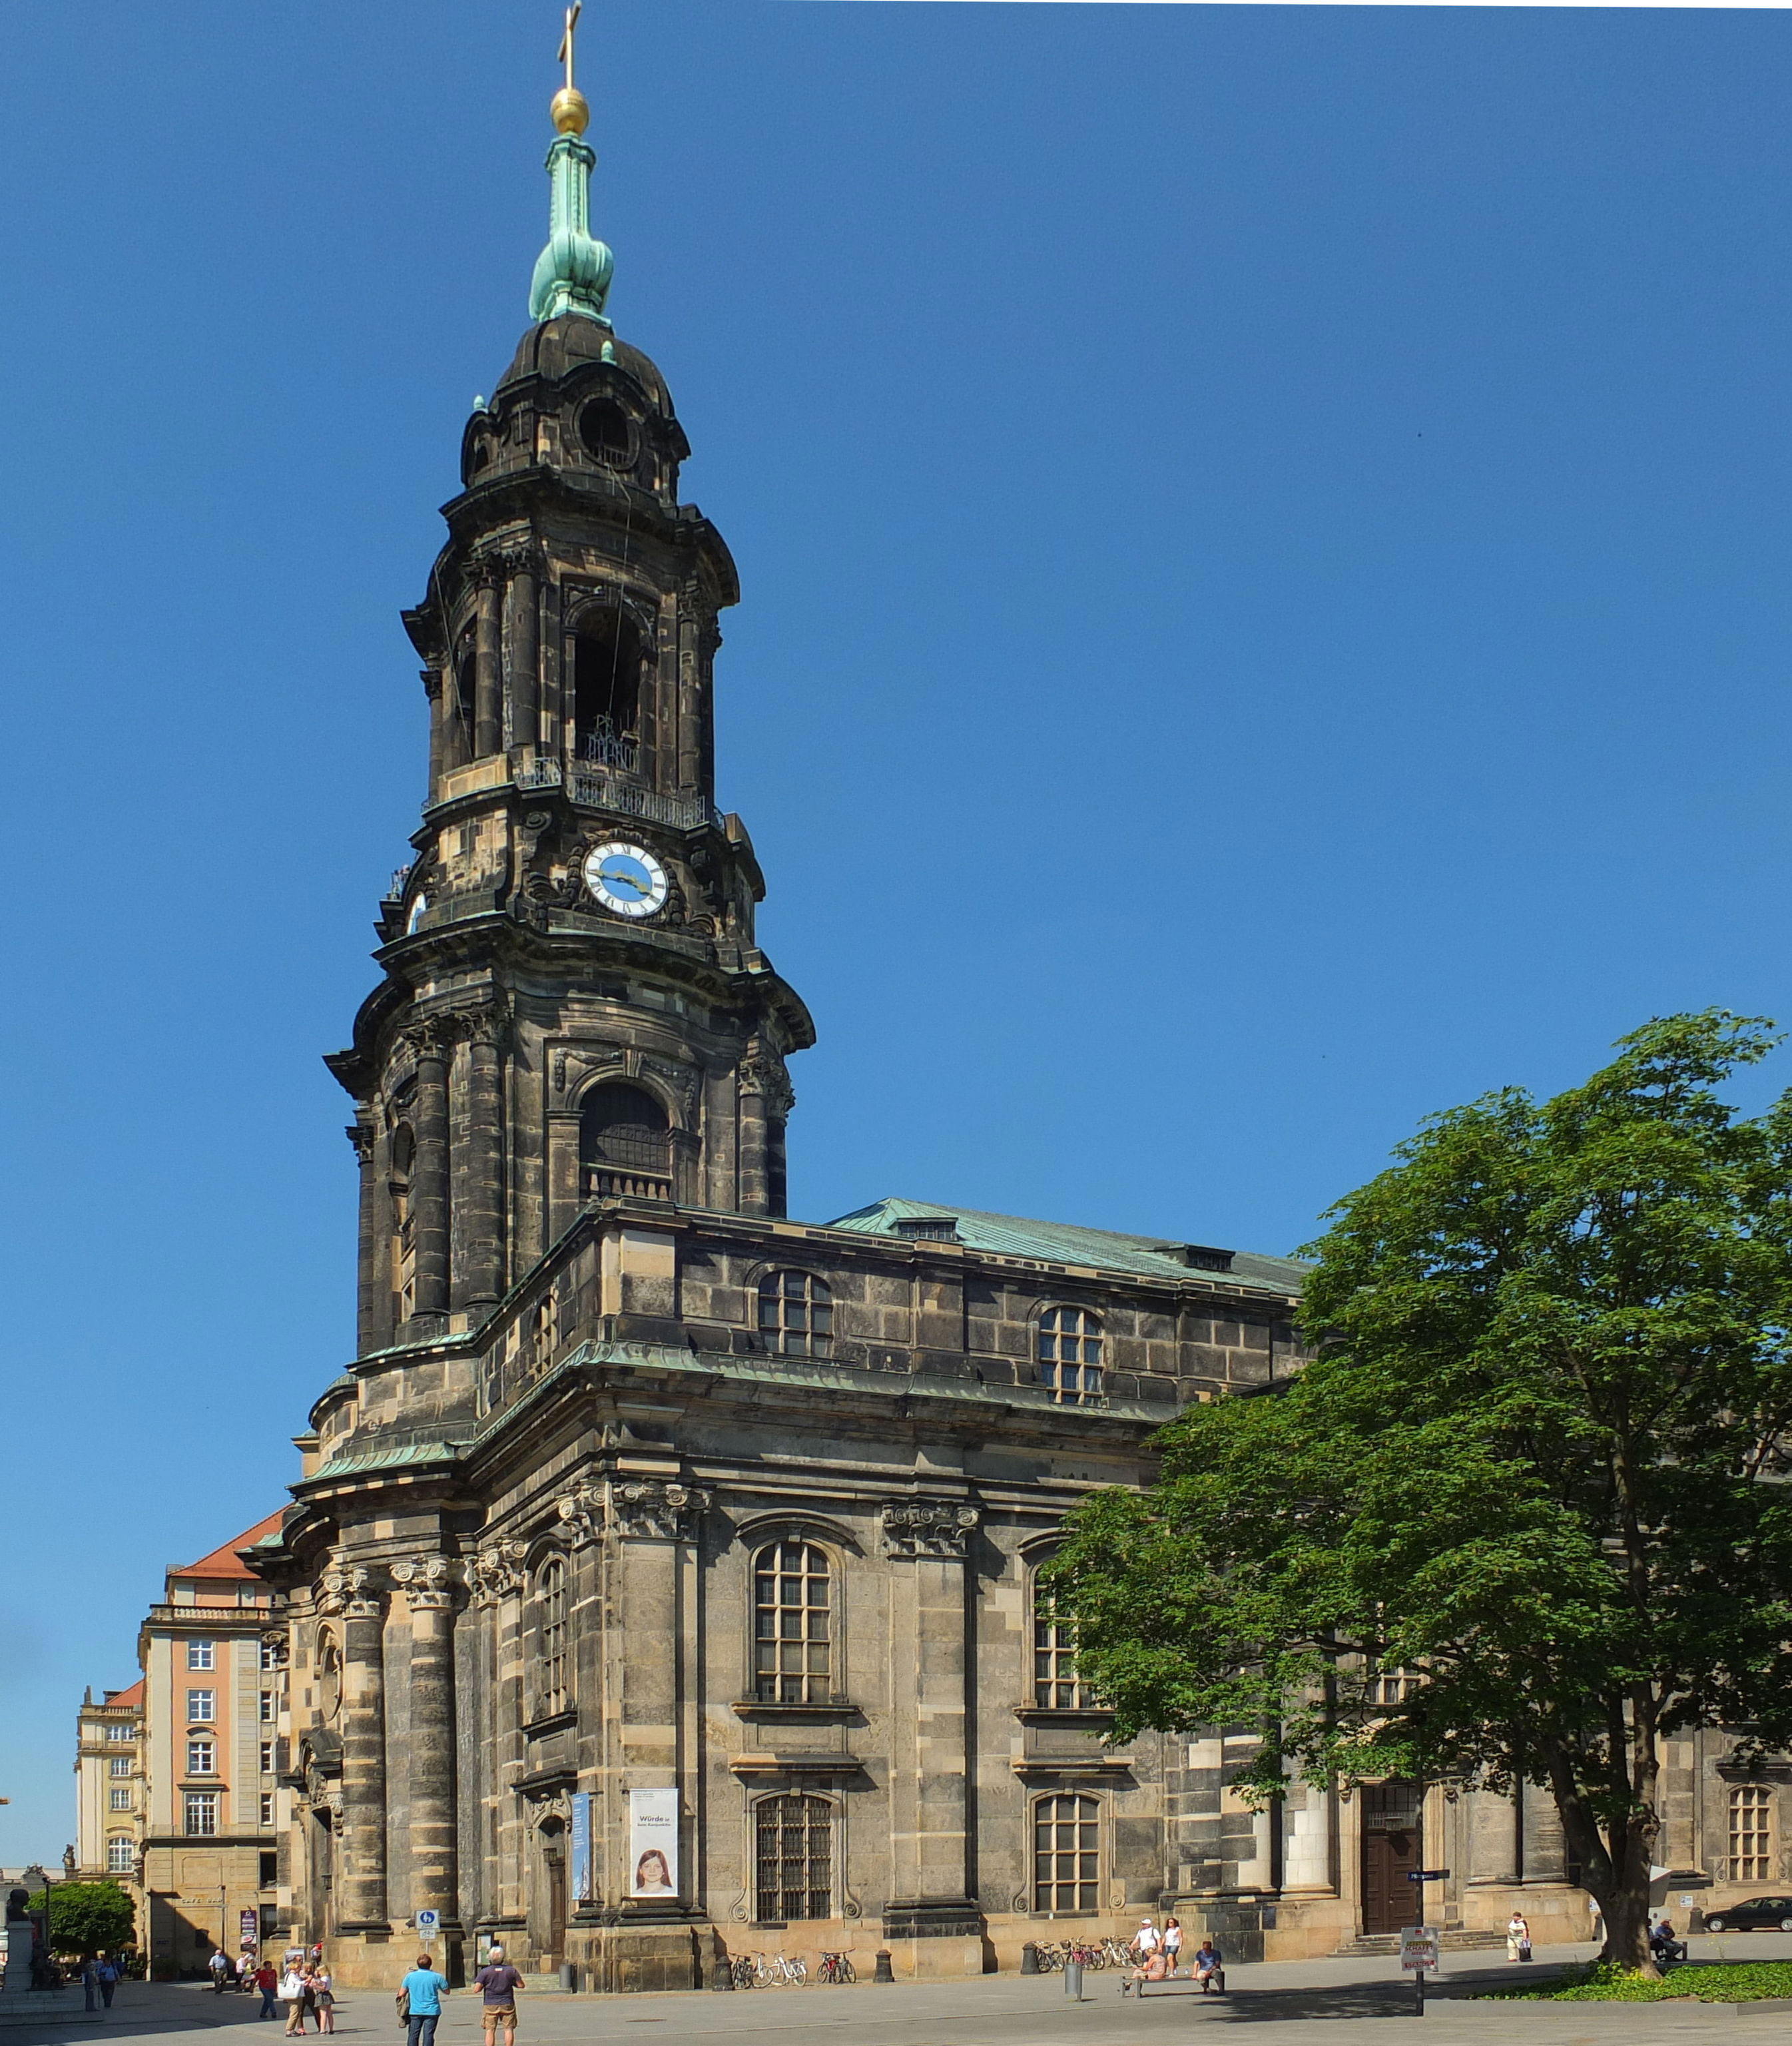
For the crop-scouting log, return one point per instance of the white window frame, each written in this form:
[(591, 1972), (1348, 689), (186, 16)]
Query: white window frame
[(200, 1814), (119, 1764), (202, 1654), (120, 1854), (269, 1708), (267, 1808), (201, 1757), (203, 1713), (120, 1800)]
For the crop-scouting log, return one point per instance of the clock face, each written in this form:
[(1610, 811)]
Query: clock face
[(626, 879)]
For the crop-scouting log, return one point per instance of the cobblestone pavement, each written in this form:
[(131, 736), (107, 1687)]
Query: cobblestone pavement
[(1327, 2001)]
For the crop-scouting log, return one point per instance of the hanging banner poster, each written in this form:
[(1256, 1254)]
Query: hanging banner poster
[(582, 1891), (653, 1842)]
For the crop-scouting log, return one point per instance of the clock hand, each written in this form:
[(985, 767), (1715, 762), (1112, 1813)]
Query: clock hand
[(613, 874)]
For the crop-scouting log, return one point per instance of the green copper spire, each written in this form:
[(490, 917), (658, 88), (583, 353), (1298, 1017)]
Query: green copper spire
[(572, 274)]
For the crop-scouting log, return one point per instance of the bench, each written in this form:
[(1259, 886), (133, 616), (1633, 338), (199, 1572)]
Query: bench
[(1182, 1982)]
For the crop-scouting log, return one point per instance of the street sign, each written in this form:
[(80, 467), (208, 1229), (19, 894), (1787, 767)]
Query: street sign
[(1426, 1874), (1418, 1947), (428, 1921)]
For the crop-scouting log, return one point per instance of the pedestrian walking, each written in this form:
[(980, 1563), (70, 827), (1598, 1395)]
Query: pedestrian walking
[(267, 1980), (1518, 1937), (220, 1966), (110, 1972), (1173, 1942), (498, 1983), (420, 1996), (90, 1983), (323, 1991)]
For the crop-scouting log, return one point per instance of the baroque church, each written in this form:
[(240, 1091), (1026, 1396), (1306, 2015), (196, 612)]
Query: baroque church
[(660, 1584)]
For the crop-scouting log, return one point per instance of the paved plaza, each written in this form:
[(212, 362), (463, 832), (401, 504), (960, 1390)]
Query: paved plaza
[(1273, 2004)]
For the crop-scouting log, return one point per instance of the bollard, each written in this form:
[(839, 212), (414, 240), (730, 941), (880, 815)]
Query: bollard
[(1030, 1958), (884, 1972), (722, 1975), (1074, 1980), (569, 1974)]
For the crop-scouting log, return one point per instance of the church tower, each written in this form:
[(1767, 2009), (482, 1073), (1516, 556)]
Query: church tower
[(574, 1007)]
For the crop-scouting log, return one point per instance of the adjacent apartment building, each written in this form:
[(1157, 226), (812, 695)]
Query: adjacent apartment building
[(177, 1777)]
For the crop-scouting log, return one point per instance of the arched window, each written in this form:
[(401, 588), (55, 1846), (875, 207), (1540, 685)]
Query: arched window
[(624, 1143), (553, 1695), (607, 671), (795, 1314), (793, 1857), (1056, 1685), (793, 1639), (1067, 1853), (1070, 1355), (603, 426), (404, 1225)]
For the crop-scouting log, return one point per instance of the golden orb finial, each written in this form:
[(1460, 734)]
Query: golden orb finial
[(569, 111)]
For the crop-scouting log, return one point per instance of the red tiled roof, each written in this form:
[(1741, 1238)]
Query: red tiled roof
[(132, 1696), (224, 1562)]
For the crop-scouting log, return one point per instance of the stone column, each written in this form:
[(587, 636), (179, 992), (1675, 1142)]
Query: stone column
[(429, 1168), (369, 1319), (363, 1875), (765, 1098), (929, 1914), (524, 657), (488, 711), (478, 1271), (432, 688), (430, 1592)]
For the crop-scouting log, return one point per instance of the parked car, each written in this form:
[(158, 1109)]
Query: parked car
[(1757, 1914)]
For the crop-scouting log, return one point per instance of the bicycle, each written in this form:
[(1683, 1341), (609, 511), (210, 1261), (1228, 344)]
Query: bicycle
[(741, 1968), (836, 1968)]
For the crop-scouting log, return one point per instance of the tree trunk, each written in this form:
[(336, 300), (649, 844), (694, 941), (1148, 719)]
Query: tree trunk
[(1615, 1866)]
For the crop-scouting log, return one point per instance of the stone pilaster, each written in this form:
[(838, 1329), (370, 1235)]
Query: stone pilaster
[(349, 1590), (428, 1582), (478, 1277), (488, 728), (930, 1746), (431, 1044), (523, 643), (368, 1321)]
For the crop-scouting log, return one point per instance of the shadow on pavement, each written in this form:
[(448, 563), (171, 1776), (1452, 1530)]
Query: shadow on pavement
[(1264, 2006)]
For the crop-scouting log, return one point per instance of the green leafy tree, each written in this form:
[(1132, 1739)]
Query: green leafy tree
[(84, 1916), (1539, 1461)]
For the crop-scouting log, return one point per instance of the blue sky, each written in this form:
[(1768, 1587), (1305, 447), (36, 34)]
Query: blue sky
[(1263, 533)]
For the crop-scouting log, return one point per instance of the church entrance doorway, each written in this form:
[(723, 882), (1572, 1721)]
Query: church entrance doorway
[(553, 1890), (1393, 1847)]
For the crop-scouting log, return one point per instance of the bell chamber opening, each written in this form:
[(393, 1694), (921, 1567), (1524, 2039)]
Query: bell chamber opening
[(625, 1145), (607, 692)]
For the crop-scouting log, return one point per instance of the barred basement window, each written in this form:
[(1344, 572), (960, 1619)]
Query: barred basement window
[(1056, 1685), (792, 1636), (793, 1857), (1070, 1355), (1066, 1854), (1750, 1833), (796, 1314), (550, 1593)]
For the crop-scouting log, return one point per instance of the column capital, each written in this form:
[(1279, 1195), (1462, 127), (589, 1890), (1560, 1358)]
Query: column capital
[(496, 1570), (350, 1590), (427, 1580), (915, 1527)]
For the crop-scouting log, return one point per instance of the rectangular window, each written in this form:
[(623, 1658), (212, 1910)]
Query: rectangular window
[(201, 1707), (200, 1758), (267, 1808), (116, 1732), (202, 1655), (120, 1854), (1056, 1685), (202, 1813), (266, 1757), (120, 1800), (120, 1765), (1750, 1833), (268, 1708), (1066, 1854), (793, 1839), (270, 1655)]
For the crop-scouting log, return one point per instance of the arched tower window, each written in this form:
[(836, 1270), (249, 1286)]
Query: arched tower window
[(404, 1225), (795, 1314), (793, 1857), (625, 1144), (1066, 1854), (792, 1634), (1069, 1355), (553, 1695), (607, 665)]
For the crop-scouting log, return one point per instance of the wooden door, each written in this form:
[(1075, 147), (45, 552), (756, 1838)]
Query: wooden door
[(1392, 1845)]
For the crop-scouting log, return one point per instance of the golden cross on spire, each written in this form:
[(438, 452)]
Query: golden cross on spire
[(572, 14)]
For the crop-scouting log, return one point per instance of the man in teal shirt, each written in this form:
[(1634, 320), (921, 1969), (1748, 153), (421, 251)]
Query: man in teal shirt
[(422, 1990)]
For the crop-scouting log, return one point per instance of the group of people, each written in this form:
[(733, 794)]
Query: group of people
[(421, 1993), (1157, 1953), (101, 1974)]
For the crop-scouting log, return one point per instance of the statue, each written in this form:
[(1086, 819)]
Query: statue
[(16, 1912)]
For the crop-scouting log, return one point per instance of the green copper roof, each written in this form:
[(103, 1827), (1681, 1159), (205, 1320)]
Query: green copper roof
[(1064, 1243), (572, 274)]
